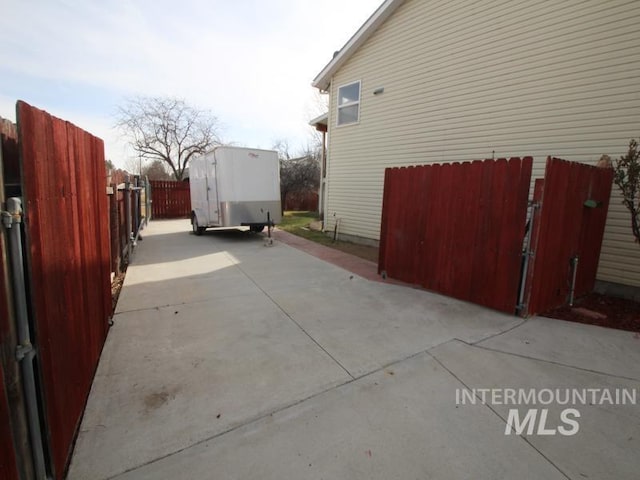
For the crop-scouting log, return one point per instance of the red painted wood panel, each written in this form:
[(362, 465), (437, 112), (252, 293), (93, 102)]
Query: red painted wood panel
[(67, 230), (8, 341), (301, 201), (457, 228), (8, 464), (170, 199), (568, 228)]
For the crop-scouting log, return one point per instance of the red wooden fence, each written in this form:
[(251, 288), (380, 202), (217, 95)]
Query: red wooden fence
[(457, 228), (67, 228), (8, 464), (170, 199), (564, 227), (301, 201)]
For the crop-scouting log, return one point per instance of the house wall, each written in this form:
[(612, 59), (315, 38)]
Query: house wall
[(494, 78)]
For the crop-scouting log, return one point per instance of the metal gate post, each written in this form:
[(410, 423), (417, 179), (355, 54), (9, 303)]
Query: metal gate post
[(147, 199), (527, 254), (25, 351), (127, 208)]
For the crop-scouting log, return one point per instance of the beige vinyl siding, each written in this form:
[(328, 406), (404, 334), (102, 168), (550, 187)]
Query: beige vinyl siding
[(462, 81)]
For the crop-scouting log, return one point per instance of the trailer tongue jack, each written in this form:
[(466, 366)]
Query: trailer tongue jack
[(269, 241)]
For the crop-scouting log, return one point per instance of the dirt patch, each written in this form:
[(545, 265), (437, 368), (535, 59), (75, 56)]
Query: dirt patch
[(116, 287), (601, 310), (155, 400), (362, 251)]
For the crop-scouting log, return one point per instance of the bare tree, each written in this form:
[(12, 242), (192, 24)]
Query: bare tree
[(281, 146), (168, 130), (627, 178)]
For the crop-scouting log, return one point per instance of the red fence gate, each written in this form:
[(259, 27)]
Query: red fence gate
[(567, 232), (67, 232), (170, 199), (457, 228)]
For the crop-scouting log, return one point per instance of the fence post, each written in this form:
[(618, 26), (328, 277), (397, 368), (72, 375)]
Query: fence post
[(148, 199), (136, 206), (127, 209), (115, 229)]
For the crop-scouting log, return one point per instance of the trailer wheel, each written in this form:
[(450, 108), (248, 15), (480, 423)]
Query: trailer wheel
[(197, 230), (256, 228)]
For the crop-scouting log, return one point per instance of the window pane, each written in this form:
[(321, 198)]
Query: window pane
[(348, 114), (349, 93)]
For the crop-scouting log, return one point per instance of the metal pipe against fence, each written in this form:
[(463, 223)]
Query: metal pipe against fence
[(139, 184), (147, 199), (127, 209), (527, 254), (25, 351), (574, 272), (136, 206)]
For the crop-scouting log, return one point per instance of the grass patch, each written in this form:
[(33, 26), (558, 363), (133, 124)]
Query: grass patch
[(297, 223), (293, 221)]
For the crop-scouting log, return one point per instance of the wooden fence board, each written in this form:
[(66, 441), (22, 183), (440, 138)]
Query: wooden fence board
[(450, 228), (170, 199), (568, 228), (301, 201), (66, 224), (8, 463), (459, 229)]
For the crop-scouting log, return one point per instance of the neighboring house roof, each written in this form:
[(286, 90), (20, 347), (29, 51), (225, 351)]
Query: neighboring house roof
[(384, 11), (320, 120), (321, 123)]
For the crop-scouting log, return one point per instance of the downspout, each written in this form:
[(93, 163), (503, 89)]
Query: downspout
[(25, 351), (323, 175)]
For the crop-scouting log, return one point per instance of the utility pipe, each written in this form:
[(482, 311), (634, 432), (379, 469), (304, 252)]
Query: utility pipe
[(527, 254), (574, 272), (25, 352), (127, 207)]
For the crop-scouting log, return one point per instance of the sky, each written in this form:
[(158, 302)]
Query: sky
[(249, 62)]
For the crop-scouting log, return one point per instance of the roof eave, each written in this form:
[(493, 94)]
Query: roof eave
[(384, 11), (320, 120)]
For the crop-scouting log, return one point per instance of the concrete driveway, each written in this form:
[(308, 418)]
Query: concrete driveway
[(232, 360)]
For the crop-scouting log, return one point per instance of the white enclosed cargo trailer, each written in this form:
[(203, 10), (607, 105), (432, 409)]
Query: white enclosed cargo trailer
[(234, 186)]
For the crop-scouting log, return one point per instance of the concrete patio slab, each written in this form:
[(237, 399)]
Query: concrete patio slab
[(231, 359), (605, 350), (607, 442), (171, 377), (367, 325), (400, 422)]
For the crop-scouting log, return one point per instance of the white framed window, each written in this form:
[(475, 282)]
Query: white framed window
[(349, 103)]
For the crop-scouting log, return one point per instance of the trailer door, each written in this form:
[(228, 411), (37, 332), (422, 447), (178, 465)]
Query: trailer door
[(212, 192)]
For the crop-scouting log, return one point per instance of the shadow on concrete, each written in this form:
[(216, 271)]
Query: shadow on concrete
[(177, 246)]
